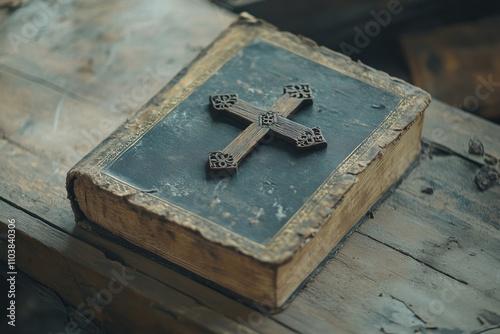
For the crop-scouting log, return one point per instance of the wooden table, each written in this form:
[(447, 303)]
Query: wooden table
[(424, 262)]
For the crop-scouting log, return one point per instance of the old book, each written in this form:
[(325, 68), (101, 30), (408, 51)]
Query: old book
[(254, 162)]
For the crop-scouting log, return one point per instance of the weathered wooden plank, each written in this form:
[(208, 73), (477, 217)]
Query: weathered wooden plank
[(375, 288), (455, 230), (35, 184), (128, 298), (453, 128), (82, 68), (310, 319), (115, 54), (461, 197), (41, 193), (298, 309), (49, 123)]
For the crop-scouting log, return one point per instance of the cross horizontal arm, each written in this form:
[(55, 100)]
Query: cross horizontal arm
[(298, 134), (246, 111), (235, 107), (288, 105)]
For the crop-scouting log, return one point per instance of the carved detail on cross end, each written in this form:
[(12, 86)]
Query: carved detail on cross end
[(268, 118), (310, 138), (301, 91), (222, 161), (223, 101)]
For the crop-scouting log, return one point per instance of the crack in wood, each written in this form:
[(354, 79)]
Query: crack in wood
[(82, 295), (416, 259), (487, 329), (44, 83), (409, 308)]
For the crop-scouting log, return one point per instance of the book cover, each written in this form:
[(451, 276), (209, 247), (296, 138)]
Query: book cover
[(254, 162)]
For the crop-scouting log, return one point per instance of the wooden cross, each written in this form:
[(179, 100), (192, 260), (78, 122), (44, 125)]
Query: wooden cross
[(275, 119)]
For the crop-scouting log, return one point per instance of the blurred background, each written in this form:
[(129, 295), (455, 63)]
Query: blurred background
[(451, 48)]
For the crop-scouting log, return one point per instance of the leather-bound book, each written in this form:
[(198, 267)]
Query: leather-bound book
[(252, 164)]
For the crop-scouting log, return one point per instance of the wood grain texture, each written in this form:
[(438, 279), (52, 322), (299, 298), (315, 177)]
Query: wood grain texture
[(56, 259), (87, 68), (353, 293), (375, 288), (52, 207), (450, 212), (452, 129), (316, 310), (241, 146)]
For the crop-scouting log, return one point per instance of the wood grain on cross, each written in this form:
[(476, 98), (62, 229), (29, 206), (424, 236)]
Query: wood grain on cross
[(275, 119)]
